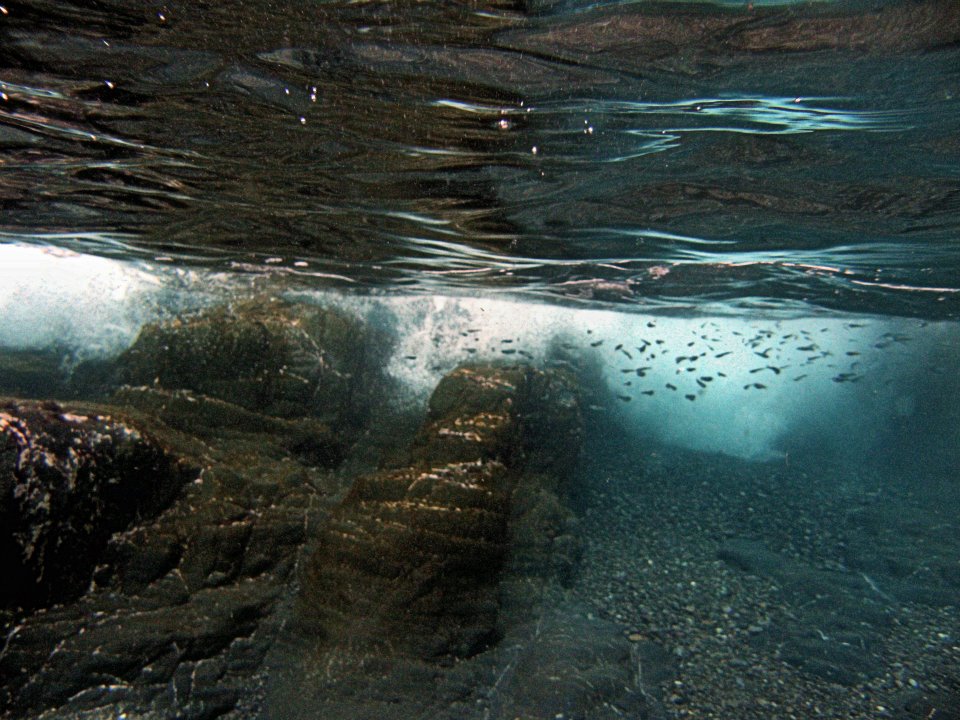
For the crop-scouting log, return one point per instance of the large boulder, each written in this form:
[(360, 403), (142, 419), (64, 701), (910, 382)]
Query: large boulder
[(412, 559), (264, 355), (437, 588), (161, 593), (68, 482)]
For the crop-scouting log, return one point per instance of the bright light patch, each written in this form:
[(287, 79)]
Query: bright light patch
[(752, 388), (51, 297)]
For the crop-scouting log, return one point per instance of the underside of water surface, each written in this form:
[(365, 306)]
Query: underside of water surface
[(526, 359)]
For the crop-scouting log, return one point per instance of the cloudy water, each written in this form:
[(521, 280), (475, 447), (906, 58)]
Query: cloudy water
[(675, 288)]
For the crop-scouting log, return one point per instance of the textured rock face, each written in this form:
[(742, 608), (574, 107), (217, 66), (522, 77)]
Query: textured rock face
[(265, 356), (67, 483), (177, 606), (413, 558), (136, 582)]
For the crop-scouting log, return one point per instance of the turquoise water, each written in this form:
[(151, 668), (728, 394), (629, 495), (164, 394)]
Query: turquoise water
[(735, 224)]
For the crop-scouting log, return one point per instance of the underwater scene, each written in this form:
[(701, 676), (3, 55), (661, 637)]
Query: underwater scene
[(480, 359)]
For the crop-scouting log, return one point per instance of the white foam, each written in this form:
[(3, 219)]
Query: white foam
[(819, 377), (51, 297), (823, 379)]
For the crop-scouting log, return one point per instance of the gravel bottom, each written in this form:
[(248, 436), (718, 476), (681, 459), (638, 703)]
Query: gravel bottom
[(653, 528)]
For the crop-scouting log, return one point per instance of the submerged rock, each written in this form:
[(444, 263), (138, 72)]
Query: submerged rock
[(179, 603), (447, 573), (840, 627), (412, 559), (266, 356), (68, 482), (562, 664), (435, 586)]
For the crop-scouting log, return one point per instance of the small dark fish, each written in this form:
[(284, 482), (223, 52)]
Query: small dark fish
[(756, 370), (651, 324), (671, 387), (707, 378), (775, 370), (506, 342), (680, 358), (691, 398), (852, 353), (628, 383), (808, 348), (721, 374), (723, 354), (410, 357), (626, 370), (625, 398), (846, 377), (471, 350), (701, 383), (642, 371), (758, 386), (508, 352), (765, 354), (629, 356), (855, 325), (618, 347), (646, 392), (598, 343), (691, 343), (799, 377), (524, 353)]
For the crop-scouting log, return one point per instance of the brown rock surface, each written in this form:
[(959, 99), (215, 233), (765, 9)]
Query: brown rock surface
[(412, 560)]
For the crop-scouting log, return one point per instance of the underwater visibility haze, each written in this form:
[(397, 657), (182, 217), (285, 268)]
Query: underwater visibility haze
[(521, 358)]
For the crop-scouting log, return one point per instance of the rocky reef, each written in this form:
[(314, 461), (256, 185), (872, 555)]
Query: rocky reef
[(68, 482), (153, 527), (449, 572), (198, 532), (412, 559)]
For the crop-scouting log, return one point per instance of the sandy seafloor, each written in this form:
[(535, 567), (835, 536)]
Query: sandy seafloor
[(764, 645)]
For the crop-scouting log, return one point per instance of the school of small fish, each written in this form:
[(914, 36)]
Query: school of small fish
[(760, 354)]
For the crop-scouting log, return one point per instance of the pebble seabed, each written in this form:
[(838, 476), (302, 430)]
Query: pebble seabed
[(653, 528)]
